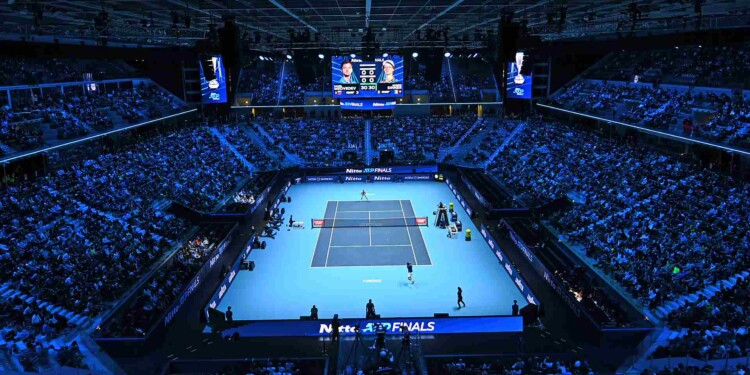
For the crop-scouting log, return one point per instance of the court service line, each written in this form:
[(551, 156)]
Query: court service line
[(369, 246), (370, 211), (328, 252), (373, 265), (360, 226), (408, 233)]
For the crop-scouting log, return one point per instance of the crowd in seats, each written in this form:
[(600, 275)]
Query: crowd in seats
[(291, 88), (244, 197), (27, 326), (417, 81), (418, 139), (318, 142), (260, 79), (482, 152), (440, 92), (695, 65), (167, 283), (140, 102), (237, 136), (467, 89), (71, 114), (279, 366), (650, 234), (42, 356), (249, 194), (469, 86), (71, 356), (509, 366), (30, 71), (79, 237), (322, 83), (16, 132), (731, 123), (712, 328), (87, 108), (665, 109)]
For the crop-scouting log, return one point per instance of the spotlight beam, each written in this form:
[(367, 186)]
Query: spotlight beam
[(291, 14), (368, 6), (446, 10)]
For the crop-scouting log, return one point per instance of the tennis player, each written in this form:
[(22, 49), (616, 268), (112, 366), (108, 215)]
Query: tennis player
[(409, 269), (363, 196)]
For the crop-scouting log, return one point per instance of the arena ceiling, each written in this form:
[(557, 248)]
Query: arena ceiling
[(341, 23)]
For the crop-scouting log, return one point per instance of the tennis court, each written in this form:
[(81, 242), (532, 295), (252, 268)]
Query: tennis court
[(370, 233), (291, 274)]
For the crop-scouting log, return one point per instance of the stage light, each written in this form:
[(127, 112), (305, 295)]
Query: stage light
[(415, 55), (447, 54), (262, 58), (352, 55), (288, 57), (321, 56), (385, 55)]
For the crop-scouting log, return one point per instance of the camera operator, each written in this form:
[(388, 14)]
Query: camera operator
[(335, 325), (380, 336), (406, 339)]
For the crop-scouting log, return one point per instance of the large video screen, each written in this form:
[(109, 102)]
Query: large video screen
[(382, 77), (213, 79), (518, 82)]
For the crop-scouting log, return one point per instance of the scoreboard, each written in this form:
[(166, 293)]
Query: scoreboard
[(383, 77)]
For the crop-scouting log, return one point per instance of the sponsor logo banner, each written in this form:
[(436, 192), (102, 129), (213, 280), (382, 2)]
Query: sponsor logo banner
[(476, 192), (321, 178), (417, 177), (319, 328), (512, 272), (360, 177), (401, 169), (367, 104)]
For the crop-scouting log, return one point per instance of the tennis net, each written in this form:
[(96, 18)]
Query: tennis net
[(364, 223)]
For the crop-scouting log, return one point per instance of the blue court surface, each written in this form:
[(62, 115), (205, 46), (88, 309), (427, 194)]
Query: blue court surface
[(367, 233), (339, 268)]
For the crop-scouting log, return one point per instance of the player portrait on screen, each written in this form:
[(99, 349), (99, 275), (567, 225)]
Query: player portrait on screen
[(388, 69), (347, 72)]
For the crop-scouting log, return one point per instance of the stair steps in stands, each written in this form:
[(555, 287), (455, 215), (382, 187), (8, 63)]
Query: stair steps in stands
[(264, 133), (117, 120), (289, 158), (7, 292), (657, 337), (262, 143), (708, 292), (443, 153), (161, 204), (368, 142), (83, 124), (6, 149), (473, 142), (506, 142), (48, 133), (231, 147), (113, 217)]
